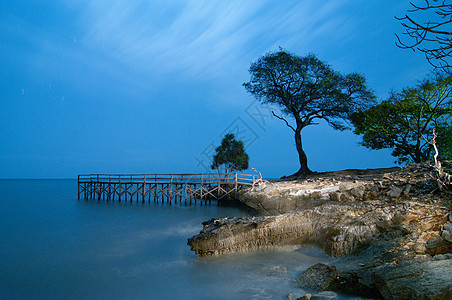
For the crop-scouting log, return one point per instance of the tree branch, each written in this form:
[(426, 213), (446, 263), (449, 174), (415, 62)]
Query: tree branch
[(434, 35), (281, 118), (444, 179)]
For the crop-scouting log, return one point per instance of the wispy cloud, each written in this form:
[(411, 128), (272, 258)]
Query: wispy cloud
[(201, 38), (136, 41)]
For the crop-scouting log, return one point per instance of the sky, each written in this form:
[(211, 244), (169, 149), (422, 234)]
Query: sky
[(137, 86)]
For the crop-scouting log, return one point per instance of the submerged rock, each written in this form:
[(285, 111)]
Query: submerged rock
[(274, 271)]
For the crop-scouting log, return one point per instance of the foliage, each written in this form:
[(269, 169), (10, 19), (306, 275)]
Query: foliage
[(230, 155), (433, 37), (407, 119), (444, 140), (307, 90)]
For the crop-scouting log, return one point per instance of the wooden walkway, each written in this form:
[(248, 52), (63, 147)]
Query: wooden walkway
[(163, 187)]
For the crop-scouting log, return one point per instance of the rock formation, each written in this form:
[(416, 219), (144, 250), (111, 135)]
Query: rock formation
[(336, 228), (396, 222)]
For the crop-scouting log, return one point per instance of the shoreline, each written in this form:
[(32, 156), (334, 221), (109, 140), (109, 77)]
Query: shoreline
[(387, 222)]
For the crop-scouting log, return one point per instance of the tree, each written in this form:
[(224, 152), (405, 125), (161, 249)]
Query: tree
[(307, 90), (230, 155), (405, 121), (430, 28)]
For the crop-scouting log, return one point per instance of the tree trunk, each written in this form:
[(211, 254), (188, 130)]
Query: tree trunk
[(304, 170), (417, 151)]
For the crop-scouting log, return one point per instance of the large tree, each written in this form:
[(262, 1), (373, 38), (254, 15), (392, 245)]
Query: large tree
[(307, 90), (429, 28), (230, 155), (406, 121)]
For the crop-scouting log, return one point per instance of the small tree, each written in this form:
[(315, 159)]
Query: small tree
[(307, 90), (230, 155), (401, 122)]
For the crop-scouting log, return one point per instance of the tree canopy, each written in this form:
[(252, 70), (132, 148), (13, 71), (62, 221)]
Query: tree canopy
[(406, 120), (230, 155), (307, 90), (429, 27)]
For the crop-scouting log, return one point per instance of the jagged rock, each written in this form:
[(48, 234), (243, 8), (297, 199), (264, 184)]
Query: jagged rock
[(394, 192), (318, 277), (447, 232), (357, 192), (415, 280), (305, 297), (337, 229)]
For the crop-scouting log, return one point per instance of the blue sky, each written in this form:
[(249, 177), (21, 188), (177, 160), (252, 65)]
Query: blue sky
[(151, 86)]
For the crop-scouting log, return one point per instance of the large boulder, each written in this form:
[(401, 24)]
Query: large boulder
[(415, 279)]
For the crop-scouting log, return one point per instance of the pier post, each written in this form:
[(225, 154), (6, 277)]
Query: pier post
[(78, 187)]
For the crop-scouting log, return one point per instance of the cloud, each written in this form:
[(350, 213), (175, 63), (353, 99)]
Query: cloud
[(139, 42), (189, 36), (200, 38)]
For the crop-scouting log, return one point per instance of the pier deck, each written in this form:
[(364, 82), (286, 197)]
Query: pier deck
[(162, 187)]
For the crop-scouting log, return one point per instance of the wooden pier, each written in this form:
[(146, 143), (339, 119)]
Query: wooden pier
[(163, 187)]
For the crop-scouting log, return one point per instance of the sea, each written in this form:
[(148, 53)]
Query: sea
[(54, 246)]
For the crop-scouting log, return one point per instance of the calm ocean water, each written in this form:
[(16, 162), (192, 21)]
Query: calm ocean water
[(55, 247)]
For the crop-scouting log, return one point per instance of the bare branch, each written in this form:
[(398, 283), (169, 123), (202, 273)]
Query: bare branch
[(433, 35), (444, 179), (281, 118)]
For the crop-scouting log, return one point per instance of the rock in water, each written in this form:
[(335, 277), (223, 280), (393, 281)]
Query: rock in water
[(319, 277)]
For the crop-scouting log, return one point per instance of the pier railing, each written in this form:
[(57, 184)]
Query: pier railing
[(161, 187)]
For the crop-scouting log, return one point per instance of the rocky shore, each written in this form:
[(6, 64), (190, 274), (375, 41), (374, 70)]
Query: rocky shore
[(394, 225)]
